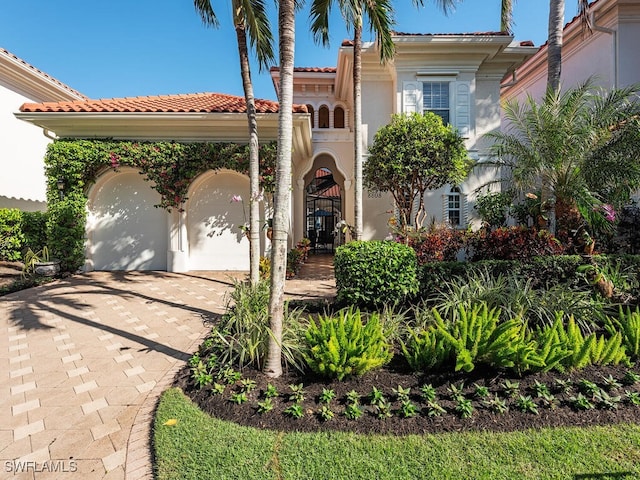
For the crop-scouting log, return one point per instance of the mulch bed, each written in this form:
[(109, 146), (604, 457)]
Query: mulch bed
[(564, 414)]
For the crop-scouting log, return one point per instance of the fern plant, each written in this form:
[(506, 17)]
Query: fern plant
[(628, 324), (478, 336), (427, 350), (341, 346)]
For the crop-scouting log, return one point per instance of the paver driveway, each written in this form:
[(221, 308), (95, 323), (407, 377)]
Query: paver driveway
[(84, 360)]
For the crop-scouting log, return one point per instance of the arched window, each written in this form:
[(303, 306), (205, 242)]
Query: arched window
[(323, 117), (454, 207), (311, 112), (338, 117)]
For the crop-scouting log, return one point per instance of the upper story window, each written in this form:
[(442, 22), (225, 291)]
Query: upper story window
[(311, 112), (338, 117), (435, 98), (323, 117)]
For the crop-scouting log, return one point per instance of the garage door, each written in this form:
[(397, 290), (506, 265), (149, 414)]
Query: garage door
[(215, 241), (126, 231)]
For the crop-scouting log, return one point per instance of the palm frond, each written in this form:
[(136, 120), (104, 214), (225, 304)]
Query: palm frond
[(206, 12), (319, 16), (381, 20), (256, 23)]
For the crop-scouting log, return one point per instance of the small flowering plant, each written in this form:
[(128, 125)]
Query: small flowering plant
[(245, 226)]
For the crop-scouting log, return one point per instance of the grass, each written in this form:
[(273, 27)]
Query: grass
[(199, 446)]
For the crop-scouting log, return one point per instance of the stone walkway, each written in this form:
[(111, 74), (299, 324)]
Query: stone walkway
[(84, 360)]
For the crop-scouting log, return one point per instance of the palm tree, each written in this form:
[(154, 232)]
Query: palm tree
[(380, 15), (579, 145), (282, 195), (249, 17), (506, 16)]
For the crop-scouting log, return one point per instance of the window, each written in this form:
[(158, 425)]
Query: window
[(311, 112), (435, 98), (454, 207), (338, 117), (323, 117)]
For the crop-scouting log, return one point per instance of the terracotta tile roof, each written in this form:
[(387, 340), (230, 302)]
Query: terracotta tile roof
[(309, 69), (27, 65), (479, 34), (187, 103)]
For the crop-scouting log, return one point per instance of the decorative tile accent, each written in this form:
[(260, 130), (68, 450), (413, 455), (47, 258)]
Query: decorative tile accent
[(25, 387), (30, 429), (134, 371), (94, 406), (85, 387), (20, 372), (25, 407), (77, 372), (22, 358), (71, 358)]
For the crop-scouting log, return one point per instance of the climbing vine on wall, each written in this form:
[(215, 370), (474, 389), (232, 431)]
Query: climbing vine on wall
[(170, 167)]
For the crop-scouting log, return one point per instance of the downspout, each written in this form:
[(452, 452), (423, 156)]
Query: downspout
[(47, 133), (514, 80), (614, 34)]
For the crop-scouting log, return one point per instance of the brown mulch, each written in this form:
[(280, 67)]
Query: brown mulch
[(564, 414)]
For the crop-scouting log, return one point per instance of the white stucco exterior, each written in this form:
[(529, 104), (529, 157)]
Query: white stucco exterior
[(23, 145), (125, 231), (608, 54)]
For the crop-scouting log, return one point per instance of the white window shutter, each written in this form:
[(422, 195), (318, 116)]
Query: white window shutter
[(411, 97), (463, 108)]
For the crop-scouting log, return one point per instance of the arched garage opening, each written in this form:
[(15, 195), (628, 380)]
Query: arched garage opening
[(215, 239), (125, 231)]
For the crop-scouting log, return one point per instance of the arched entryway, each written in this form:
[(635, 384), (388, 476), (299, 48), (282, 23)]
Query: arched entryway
[(323, 205)]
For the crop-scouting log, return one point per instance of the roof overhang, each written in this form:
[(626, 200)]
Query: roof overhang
[(27, 80), (165, 126)]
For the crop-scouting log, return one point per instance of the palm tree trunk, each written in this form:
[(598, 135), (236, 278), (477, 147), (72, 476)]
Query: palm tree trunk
[(254, 162), (554, 47), (286, 31), (357, 125)]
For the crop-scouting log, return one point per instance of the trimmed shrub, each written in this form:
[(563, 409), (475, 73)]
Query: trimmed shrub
[(11, 236), (440, 243), (513, 243), (34, 228), (341, 346), (65, 231), (373, 273)]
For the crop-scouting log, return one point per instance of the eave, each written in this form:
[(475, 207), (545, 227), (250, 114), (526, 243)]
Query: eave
[(186, 127)]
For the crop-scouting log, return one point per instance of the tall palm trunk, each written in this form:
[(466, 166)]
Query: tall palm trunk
[(554, 47), (357, 125), (554, 70), (254, 162), (286, 31)]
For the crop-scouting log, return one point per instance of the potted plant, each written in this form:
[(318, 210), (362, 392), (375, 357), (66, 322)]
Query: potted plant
[(40, 263)]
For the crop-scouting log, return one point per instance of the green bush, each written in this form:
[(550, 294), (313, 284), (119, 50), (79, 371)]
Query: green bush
[(11, 236), (341, 346), (65, 231), (628, 324), (34, 228), (478, 336), (241, 338), (427, 350), (374, 273)]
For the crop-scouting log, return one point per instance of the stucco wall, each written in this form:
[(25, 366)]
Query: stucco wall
[(22, 149)]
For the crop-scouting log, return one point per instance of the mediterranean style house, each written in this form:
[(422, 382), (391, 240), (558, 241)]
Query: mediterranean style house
[(454, 75), (22, 183)]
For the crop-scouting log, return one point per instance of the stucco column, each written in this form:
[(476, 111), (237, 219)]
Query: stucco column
[(299, 211), (178, 254)]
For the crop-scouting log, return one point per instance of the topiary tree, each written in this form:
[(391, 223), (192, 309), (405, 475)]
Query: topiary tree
[(412, 154)]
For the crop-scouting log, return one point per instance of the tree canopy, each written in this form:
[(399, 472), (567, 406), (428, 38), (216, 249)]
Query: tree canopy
[(412, 154)]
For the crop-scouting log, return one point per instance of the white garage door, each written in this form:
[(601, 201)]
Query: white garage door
[(215, 241), (126, 231)]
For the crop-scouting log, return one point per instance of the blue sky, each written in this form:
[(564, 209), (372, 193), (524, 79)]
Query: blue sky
[(142, 47)]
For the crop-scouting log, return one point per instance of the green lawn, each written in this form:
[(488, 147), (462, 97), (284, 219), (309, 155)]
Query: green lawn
[(200, 447)]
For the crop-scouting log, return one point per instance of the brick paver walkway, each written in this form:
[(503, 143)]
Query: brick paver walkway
[(84, 360)]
